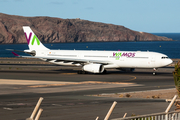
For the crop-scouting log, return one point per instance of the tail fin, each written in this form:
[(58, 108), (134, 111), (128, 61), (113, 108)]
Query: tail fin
[(32, 40)]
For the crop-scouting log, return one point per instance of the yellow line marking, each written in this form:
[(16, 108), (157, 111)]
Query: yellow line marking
[(134, 78)]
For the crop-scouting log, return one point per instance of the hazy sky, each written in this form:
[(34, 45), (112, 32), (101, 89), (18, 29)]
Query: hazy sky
[(140, 15)]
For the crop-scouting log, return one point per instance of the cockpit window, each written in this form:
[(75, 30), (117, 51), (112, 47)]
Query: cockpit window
[(164, 58)]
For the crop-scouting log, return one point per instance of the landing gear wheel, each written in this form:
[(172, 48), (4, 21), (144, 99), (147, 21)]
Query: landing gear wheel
[(104, 72), (79, 72), (154, 71)]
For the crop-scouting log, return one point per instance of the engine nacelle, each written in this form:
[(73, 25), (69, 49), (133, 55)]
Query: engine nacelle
[(127, 69), (94, 68)]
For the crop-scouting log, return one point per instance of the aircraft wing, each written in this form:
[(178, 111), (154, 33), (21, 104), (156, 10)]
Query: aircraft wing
[(48, 59), (69, 60)]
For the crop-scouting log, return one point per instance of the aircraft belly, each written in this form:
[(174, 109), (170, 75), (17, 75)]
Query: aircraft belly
[(135, 63), (110, 66)]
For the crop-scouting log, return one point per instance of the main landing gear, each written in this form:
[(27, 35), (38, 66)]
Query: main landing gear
[(81, 72), (154, 71), (104, 72)]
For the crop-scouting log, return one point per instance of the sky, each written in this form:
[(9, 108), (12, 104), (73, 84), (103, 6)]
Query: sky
[(153, 16)]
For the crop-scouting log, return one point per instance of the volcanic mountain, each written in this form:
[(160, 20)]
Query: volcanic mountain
[(57, 30)]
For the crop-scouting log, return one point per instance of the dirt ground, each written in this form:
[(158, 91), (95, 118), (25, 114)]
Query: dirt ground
[(152, 94)]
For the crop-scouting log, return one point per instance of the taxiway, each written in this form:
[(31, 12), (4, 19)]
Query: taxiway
[(67, 95)]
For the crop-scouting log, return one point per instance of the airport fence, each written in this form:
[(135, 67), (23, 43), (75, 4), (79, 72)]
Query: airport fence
[(35, 111), (174, 115)]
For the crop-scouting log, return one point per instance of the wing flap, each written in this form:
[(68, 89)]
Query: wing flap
[(57, 59)]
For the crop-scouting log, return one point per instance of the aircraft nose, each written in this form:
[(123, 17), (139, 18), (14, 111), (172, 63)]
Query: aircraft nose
[(169, 61)]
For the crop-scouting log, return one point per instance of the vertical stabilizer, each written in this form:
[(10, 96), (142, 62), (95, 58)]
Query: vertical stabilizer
[(32, 40)]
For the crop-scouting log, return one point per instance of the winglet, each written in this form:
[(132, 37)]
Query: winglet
[(15, 54)]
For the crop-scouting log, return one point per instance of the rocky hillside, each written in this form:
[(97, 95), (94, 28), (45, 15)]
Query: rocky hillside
[(55, 30)]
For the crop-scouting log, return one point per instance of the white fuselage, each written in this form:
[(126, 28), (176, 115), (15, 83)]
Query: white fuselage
[(114, 59), (93, 61)]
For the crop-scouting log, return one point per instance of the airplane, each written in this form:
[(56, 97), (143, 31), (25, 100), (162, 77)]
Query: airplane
[(93, 61)]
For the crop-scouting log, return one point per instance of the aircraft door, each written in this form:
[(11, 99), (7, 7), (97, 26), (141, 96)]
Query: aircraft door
[(80, 55), (152, 61)]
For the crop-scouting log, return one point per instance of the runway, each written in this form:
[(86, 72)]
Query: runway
[(67, 95)]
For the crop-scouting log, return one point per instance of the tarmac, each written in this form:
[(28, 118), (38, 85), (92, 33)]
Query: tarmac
[(68, 95)]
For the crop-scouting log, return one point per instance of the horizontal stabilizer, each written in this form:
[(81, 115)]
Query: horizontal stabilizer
[(15, 54), (14, 50), (30, 52)]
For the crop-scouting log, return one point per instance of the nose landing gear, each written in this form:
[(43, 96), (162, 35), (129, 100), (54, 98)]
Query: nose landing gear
[(154, 71)]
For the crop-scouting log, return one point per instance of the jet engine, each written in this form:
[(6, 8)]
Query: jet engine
[(127, 69), (94, 68)]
